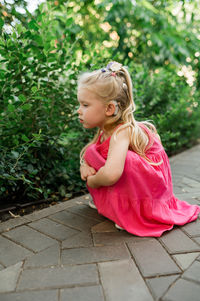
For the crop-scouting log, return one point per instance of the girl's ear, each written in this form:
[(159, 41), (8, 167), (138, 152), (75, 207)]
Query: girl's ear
[(110, 109)]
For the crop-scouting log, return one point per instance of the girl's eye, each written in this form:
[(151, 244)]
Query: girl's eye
[(85, 105)]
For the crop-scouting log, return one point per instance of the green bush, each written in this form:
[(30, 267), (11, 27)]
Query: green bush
[(174, 107), (40, 136), (38, 92)]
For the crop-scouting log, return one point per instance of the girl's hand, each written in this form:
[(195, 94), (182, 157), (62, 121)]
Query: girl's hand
[(86, 171), (91, 182)]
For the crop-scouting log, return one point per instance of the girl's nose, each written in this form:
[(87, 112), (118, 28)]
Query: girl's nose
[(78, 111)]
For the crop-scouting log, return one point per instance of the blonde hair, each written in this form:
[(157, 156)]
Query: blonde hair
[(116, 85)]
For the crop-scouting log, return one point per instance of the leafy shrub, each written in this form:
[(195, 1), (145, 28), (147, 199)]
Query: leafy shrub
[(40, 136), (38, 93), (171, 103)]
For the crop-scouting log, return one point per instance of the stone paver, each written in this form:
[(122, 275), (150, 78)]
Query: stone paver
[(197, 239), (193, 273), (8, 278), (53, 209), (75, 221), (116, 238), (192, 198), (152, 258), (1, 267), (106, 226), (86, 211), (94, 254), (183, 290), (45, 258), (87, 293), (12, 253), (192, 229), (185, 244), (82, 239), (159, 285), (185, 260), (122, 281), (51, 295), (190, 182), (53, 229), (70, 252), (10, 224), (186, 168), (29, 238), (58, 277)]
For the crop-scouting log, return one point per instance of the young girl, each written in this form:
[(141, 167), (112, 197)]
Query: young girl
[(125, 165)]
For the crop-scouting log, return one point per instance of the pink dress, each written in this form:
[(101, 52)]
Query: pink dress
[(142, 200)]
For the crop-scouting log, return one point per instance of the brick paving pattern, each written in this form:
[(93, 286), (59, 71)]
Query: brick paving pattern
[(70, 252)]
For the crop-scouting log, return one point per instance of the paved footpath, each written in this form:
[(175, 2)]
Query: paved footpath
[(70, 252)]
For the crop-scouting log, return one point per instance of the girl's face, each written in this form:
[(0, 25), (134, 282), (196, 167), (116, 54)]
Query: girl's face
[(92, 111)]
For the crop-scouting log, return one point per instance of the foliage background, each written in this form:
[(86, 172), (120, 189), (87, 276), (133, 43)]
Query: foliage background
[(41, 55)]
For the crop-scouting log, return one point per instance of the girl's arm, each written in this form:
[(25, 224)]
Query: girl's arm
[(110, 173)]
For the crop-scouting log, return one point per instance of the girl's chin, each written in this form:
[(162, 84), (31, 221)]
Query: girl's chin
[(84, 125), (87, 126)]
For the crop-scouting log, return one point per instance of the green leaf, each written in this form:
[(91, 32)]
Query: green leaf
[(19, 28), (25, 180), (27, 106), (1, 23), (39, 189), (15, 154), (25, 138), (11, 108), (22, 97), (30, 168), (38, 39), (33, 25), (62, 190), (34, 89), (149, 6), (69, 22), (14, 35)]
